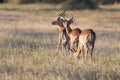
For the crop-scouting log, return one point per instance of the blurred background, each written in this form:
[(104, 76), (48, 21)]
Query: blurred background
[(70, 4)]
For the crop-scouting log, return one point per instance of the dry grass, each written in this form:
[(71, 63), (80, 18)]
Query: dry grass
[(28, 43)]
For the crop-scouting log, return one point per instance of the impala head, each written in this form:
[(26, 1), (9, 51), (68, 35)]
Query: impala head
[(70, 21), (60, 20)]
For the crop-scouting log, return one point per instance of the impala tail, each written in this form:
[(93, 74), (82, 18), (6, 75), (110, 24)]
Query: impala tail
[(91, 37)]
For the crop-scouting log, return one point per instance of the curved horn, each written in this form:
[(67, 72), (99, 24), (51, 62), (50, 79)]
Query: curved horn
[(62, 14), (72, 16)]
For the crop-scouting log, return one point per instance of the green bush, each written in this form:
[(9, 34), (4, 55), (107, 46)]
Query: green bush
[(20, 1), (80, 4), (14, 1), (71, 4)]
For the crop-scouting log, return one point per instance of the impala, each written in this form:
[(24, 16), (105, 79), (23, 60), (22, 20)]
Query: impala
[(63, 38), (73, 33), (86, 44)]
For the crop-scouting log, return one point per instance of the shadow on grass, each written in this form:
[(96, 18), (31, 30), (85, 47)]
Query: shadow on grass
[(109, 10), (54, 9), (30, 10)]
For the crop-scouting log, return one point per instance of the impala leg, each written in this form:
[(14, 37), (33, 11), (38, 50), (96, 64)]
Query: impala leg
[(71, 45), (86, 51), (68, 48), (64, 48), (59, 42), (68, 45), (83, 53), (78, 51), (91, 52), (58, 46), (75, 46), (76, 42), (63, 45), (64, 42)]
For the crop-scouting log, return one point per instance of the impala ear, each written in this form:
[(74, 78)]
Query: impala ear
[(71, 20)]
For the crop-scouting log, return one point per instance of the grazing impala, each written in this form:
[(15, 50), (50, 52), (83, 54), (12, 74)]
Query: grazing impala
[(86, 43), (63, 38), (73, 33)]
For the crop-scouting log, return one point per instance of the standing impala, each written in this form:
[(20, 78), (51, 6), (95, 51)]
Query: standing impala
[(86, 43), (63, 38), (73, 33)]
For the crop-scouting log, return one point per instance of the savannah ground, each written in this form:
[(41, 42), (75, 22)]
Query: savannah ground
[(28, 43)]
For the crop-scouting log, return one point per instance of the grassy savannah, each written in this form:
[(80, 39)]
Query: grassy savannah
[(28, 43)]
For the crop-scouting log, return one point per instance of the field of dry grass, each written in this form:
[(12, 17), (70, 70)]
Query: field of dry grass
[(28, 43)]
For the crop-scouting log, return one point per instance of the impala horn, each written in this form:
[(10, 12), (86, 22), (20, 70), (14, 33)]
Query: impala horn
[(72, 17), (62, 14)]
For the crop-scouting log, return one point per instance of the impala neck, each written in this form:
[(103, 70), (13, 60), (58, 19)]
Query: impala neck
[(61, 28), (66, 35), (68, 28)]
